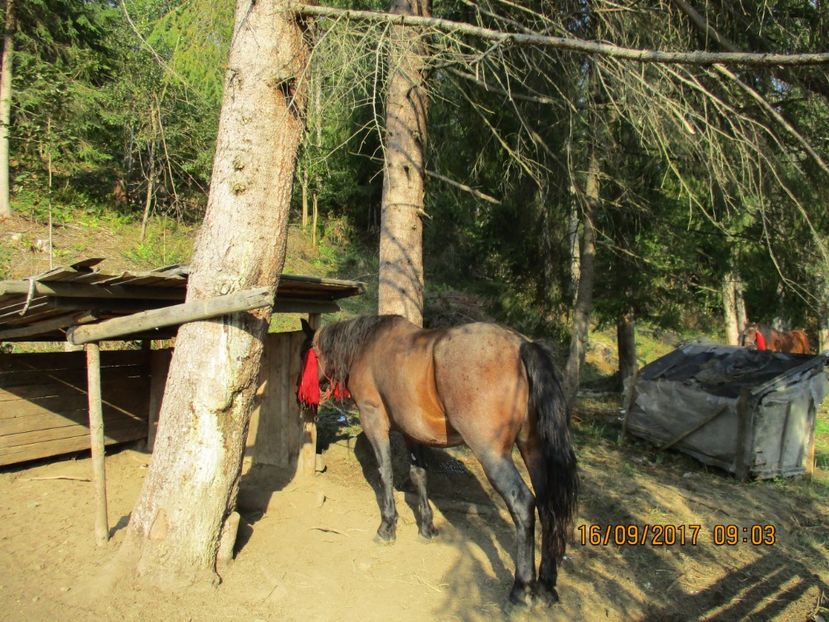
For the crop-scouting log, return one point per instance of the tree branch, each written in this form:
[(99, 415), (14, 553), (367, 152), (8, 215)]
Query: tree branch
[(567, 43)]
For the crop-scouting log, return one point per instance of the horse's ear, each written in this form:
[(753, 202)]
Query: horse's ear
[(306, 328)]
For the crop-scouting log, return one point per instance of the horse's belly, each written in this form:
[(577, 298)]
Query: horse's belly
[(426, 430)]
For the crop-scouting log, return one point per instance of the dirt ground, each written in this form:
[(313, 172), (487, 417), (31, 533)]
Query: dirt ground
[(310, 554)]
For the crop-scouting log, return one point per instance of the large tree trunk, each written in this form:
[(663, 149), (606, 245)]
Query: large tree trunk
[(401, 226), (626, 346), (823, 318), (189, 494), (740, 304), (584, 294), (5, 107), (729, 304)]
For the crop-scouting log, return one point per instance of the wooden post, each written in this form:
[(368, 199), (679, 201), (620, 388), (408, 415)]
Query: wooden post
[(96, 434)]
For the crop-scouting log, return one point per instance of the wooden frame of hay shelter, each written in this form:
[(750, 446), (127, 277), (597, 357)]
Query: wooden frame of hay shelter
[(746, 411), (45, 398)]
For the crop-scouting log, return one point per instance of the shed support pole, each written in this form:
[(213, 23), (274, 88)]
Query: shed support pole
[(96, 433)]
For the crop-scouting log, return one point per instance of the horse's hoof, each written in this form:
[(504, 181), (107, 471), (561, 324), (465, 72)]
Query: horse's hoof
[(428, 533), (546, 596), (385, 535), (521, 596)]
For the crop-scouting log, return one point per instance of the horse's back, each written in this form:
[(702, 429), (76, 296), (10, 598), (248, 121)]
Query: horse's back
[(481, 381)]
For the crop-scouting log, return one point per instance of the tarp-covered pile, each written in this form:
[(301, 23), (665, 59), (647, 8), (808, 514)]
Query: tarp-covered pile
[(749, 412)]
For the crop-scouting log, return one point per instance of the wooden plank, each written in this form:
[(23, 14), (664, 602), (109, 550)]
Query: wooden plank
[(84, 290), (117, 388), (159, 369), (128, 395), (237, 302), (118, 431), (56, 361), (47, 326), (279, 431), (56, 447), (22, 415)]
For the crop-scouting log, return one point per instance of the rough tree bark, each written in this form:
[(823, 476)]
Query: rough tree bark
[(401, 225), (729, 304), (186, 507), (740, 304), (5, 106), (584, 294), (626, 346)]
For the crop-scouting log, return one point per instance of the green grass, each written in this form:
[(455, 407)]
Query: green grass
[(822, 439)]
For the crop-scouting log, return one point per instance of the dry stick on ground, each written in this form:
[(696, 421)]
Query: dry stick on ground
[(53, 477)]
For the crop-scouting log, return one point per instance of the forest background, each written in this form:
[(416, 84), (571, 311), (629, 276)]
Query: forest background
[(704, 187)]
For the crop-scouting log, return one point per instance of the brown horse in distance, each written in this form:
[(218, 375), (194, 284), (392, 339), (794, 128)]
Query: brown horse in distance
[(793, 341), (478, 384)]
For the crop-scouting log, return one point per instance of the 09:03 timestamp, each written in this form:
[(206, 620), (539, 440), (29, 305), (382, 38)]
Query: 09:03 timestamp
[(671, 535)]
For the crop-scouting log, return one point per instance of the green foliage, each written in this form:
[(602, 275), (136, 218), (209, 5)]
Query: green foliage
[(103, 94)]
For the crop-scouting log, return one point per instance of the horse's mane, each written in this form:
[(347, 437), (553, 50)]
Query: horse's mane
[(341, 342)]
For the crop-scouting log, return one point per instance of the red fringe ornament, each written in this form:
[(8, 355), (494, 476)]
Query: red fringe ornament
[(308, 392)]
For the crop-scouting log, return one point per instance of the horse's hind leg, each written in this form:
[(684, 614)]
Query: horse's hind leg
[(417, 473), (533, 457), (505, 478)]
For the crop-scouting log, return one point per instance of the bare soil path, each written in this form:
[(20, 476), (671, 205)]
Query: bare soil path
[(310, 554)]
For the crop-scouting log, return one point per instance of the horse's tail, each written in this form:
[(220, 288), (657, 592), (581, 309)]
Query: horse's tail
[(558, 499)]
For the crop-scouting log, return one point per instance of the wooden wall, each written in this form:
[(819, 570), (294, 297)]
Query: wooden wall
[(277, 435), (44, 409), (43, 402)]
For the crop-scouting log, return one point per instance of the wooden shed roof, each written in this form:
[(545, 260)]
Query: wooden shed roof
[(42, 307)]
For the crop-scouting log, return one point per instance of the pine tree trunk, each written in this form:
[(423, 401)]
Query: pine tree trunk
[(584, 294), (740, 304), (5, 107), (401, 226), (729, 303), (190, 491), (823, 317), (626, 346)]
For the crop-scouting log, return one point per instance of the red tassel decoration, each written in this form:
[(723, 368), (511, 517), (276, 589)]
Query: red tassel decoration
[(760, 340), (308, 393)]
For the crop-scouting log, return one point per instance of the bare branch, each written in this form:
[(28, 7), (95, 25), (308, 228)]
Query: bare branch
[(569, 43)]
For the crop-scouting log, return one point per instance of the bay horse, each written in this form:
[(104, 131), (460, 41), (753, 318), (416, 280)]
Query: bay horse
[(793, 341), (479, 384)]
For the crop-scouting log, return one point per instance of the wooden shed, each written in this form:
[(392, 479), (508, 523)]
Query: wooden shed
[(746, 411), (44, 396)]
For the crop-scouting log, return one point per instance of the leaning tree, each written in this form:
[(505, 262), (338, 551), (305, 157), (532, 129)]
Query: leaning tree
[(189, 494)]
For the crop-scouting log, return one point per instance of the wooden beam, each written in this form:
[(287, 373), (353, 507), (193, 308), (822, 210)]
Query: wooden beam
[(96, 438), (46, 326), (86, 290), (193, 311)]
